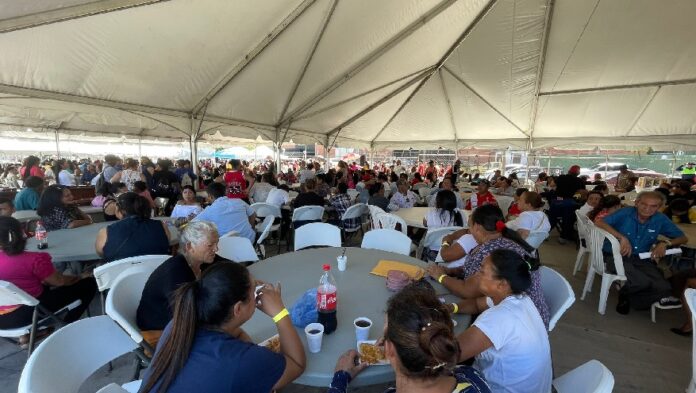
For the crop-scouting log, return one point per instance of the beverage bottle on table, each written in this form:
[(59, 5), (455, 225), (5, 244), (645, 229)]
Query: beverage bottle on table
[(326, 301), (41, 236)]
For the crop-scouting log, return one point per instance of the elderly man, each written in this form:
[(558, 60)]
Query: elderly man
[(637, 229), (446, 184)]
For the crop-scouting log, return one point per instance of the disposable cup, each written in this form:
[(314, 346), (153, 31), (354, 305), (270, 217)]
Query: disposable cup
[(314, 333), (342, 262), (362, 333)]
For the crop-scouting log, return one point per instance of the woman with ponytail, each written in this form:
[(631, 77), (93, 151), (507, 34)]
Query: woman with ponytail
[(420, 344), (204, 349), (509, 339), (487, 226), (135, 233)]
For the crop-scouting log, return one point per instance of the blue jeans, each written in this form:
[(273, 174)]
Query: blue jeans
[(564, 211)]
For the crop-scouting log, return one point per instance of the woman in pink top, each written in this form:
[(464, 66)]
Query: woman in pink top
[(34, 273), (31, 167)]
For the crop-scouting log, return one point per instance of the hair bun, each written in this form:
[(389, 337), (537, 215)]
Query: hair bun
[(499, 226)]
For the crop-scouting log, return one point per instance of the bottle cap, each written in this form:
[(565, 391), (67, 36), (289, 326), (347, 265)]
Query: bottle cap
[(327, 267)]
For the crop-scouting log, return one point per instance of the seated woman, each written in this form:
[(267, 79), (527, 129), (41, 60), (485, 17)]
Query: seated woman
[(445, 213), (197, 247), (514, 209), (187, 207), (204, 348), (57, 211), (531, 218), (404, 198), (488, 229), (509, 339), (33, 272), (607, 205), (135, 233), (110, 192), (421, 347)]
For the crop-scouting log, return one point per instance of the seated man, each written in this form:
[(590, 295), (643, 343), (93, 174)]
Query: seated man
[(228, 214), (309, 197), (377, 197), (637, 229), (197, 247)]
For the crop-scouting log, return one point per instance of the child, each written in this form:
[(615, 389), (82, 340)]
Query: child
[(514, 209)]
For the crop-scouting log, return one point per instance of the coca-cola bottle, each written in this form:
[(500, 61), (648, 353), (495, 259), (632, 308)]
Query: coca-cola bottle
[(41, 236), (326, 300)]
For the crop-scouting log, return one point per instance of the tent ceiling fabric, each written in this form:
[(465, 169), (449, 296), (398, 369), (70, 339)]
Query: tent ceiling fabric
[(359, 72)]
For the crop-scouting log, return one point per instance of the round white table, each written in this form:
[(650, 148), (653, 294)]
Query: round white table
[(77, 244), (413, 216), (360, 294)]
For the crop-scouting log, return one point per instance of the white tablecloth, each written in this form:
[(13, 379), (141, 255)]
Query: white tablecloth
[(414, 216)]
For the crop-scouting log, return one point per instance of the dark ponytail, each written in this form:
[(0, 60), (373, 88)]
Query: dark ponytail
[(447, 202), (421, 329), (12, 241), (206, 302), (513, 268), (490, 217)]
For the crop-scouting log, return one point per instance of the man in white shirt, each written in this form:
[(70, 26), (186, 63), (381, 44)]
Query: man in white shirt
[(228, 214), (593, 199), (278, 196), (307, 173), (398, 169)]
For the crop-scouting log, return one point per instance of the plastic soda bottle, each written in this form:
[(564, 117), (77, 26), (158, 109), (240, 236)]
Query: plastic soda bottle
[(41, 236), (326, 301)]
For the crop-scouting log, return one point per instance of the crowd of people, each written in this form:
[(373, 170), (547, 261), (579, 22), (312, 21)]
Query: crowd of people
[(194, 305)]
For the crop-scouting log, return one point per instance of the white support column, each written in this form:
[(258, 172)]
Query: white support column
[(193, 144), (327, 151), (279, 150), (57, 144)]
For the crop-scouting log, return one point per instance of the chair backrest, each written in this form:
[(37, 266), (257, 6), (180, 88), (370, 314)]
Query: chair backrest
[(582, 221), (106, 274), (70, 355), (690, 296), (124, 297), (263, 209), (293, 194), (308, 213), (536, 238), (387, 240), (433, 238), (504, 202), (317, 234), (591, 377), (375, 211), (230, 233), (11, 295), (558, 293), (237, 249), (597, 236), (267, 224), (355, 211), (390, 221), (423, 192)]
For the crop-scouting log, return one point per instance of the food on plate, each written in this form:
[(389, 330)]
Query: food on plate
[(273, 344), (371, 354)]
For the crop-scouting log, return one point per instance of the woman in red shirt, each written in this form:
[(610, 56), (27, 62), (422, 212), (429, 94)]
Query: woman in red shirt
[(33, 272)]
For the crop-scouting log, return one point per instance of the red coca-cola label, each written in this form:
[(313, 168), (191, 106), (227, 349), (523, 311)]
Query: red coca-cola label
[(326, 301), (40, 235)]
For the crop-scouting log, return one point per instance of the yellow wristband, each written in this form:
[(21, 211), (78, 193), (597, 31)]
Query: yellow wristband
[(442, 277), (282, 314), (455, 308)]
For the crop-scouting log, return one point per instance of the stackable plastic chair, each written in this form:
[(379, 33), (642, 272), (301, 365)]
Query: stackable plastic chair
[(70, 355), (11, 295), (597, 237), (390, 221), (690, 295), (317, 234), (375, 211), (591, 377), (130, 387), (353, 193), (433, 239), (354, 212), (106, 274), (387, 240), (558, 294), (584, 225), (266, 228), (263, 210), (238, 249), (504, 202)]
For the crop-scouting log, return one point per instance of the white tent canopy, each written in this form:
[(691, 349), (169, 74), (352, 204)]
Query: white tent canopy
[(388, 73)]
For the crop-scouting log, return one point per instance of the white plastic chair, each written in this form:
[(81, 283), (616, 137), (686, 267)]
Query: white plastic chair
[(433, 239), (70, 355), (263, 209), (536, 238), (11, 295), (387, 240), (597, 237), (267, 227), (504, 202), (354, 212), (375, 211), (591, 377), (584, 225), (628, 196), (390, 221), (423, 193), (352, 193), (690, 295), (130, 387), (106, 274), (558, 293), (308, 213), (317, 234), (238, 249)]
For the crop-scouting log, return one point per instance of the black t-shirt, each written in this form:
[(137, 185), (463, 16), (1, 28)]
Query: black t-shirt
[(154, 310), (308, 199), (568, 185), (164, 183)]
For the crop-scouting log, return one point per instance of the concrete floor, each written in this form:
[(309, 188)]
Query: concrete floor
[(644, 357)]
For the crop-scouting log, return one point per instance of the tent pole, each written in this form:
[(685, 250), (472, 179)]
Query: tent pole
[(606, 164), (327, 151), (57, 142), (140, 146)]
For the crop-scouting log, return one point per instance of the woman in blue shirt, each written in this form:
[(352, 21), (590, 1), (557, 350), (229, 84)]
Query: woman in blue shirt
[(204, 349)]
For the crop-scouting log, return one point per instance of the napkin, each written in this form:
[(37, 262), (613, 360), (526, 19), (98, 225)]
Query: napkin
[(384, 266)]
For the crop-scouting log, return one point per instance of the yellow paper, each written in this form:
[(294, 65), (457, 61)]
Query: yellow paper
[(384, 266)]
